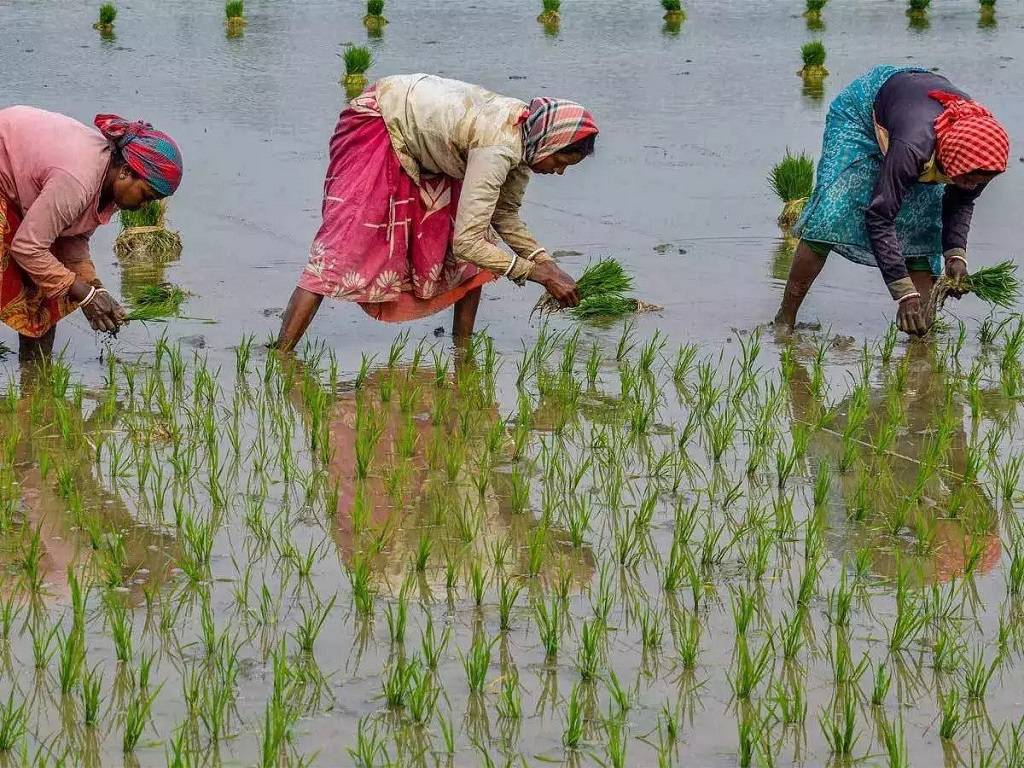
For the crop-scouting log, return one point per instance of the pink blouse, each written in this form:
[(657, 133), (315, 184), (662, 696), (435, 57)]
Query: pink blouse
[(52, 170)]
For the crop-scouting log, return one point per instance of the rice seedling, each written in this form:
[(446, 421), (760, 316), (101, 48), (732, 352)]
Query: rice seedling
[(895, 743), (156, 303), (603, 289), (996, 285), (588, 657), (840, 728), (814, 8), (13, 722), (572, 734), (813, 55), (550, 12), (358, 60), (92, 687), (433, 646), (978, 674), (477, 662), (398, 680), (507, 596), (750, 669), (135, 718), (549, 624), (108, 12), (953, 718), (987, 13), (510, 700), (917, 9)]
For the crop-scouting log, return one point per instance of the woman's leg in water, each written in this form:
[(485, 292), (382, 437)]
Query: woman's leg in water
[(465, 316), (807, 265), (35, 350), (302, 308)]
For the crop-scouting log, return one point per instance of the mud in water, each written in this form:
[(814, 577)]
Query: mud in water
[(208, 539)]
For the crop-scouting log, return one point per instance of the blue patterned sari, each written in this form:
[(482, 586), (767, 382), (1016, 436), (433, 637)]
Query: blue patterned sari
[(847, 171)]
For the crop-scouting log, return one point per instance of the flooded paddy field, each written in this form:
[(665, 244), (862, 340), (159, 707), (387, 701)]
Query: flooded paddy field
[(678, 541)]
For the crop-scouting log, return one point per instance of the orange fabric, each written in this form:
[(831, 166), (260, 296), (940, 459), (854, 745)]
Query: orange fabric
[(409, 307), (23, 306)]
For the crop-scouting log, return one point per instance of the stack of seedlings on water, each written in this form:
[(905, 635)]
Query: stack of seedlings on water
[(813, 14), (234, 17), (987, 10), (374, 20), (813, 55), (358, 60), (550, 15), (674, 13), (997, 285), (144, 235), (917, 13), (108, 12), (792, 180)]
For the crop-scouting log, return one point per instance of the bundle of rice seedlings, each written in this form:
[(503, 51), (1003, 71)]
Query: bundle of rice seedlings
[(358, 60), (813, 54), (156, 303), (144, 234), (603, 289), (996, 285), (107, 15), (234, 13), (551, 12), (988, 13), (793, 181), (673, 10), (917, 10), (374, 18)]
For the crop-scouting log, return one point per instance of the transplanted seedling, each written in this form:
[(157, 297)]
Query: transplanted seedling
[(674, 12), (792, 180), (234, 16)]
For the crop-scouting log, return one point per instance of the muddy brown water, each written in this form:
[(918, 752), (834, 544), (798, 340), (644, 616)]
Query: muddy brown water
[(691, 124)]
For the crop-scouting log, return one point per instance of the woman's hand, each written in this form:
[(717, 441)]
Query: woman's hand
[(102, 312), (910, 317), (956, 270), (556, 282)]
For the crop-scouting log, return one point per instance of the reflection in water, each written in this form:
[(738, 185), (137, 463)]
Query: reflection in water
[(424, 486), (782, 257), (59, 513), (899, 453)]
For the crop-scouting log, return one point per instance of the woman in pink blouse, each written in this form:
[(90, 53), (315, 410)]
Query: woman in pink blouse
[(59, 180)]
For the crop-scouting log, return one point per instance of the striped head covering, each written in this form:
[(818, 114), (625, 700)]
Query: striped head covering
[(967, 137), (551, 125), (151, 154)]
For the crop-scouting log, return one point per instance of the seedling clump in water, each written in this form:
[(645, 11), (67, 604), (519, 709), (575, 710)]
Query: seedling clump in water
[(108, 12), (603, 289), (813, 55), (551, 12), (144, 235), (374, 19), (792, 181), (674, 13), (234, 16), (358, 60)]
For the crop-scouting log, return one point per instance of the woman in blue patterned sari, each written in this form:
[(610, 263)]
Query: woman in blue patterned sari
[(904, 157)]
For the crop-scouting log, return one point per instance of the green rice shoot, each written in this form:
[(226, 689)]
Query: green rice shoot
[(358, 59), (151, 214), (793, 178), (374, 7), (813, 53), (996, 285), (234, 9), (552, 6), (987, 4), (155, 303), (815, 6), (107, 14), (918, 6), (671, 6), (604, 277)]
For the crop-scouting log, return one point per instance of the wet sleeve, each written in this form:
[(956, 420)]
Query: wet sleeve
[(957, 210), (487, 170), (60, 203), (507, 222), (900, 171)]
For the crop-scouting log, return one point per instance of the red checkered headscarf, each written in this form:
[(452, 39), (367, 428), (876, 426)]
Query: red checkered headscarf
[(967, 137), (551, 125), (151, 154)]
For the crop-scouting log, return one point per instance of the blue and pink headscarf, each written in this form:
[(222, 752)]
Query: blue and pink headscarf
[(551, 125), (151, 154)]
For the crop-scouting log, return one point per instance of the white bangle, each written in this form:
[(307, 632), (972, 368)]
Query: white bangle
[(511, 265), (539, 250), (88, 297), (914, 295), (957, 257)]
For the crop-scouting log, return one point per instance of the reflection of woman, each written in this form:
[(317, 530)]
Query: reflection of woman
[(895, 474), (423, 171), (59, 181), (64, 542), (425, 491), (905, 156)]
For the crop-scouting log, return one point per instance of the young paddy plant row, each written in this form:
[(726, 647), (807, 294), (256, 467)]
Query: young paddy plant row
[(599, 551)]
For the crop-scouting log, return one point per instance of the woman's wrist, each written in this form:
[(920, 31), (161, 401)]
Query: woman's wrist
[(78, 291)]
